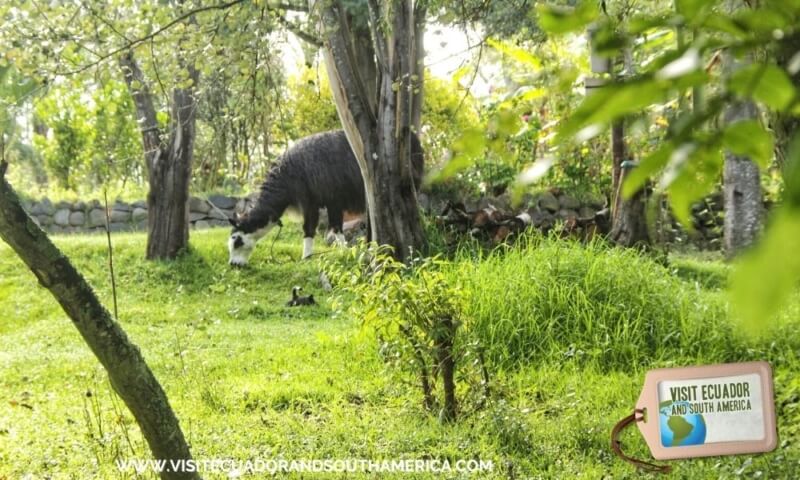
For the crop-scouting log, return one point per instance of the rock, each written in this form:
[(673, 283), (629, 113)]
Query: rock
[(80, 206), (139, 214), (424, 201), (122, 206), (199, 205), (141, 225), (220, 215), (193, 217), (119, 227), (95, 204), (549, 202), (202, 225), (35, 209), (63, 205), (47, 207), (503, 202), (44, 220), (241, 205), (223, 202), (61, 217), (97, 217), (219, 223), (77, 219), (586, 212), (596, 202), (566, 214), (542, 220), (568, 202), (139, 204), (120, 216)]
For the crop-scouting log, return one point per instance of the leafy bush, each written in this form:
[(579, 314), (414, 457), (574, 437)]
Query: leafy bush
[(416, 312)]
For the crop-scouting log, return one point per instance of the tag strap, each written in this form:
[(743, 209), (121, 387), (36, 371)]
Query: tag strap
[(616, 445)]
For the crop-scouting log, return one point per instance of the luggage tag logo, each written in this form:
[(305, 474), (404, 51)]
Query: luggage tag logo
[(704, 411)]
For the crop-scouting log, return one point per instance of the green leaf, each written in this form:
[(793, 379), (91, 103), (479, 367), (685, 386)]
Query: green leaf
[(557, 19), (765, 83), (767, 276), (748, 138), (612, 102), (696, 177), (648, 167), (466, 149), (690, 8), (518, 54)]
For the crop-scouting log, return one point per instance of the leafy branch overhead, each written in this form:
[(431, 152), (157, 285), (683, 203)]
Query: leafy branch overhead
[(753, 40)]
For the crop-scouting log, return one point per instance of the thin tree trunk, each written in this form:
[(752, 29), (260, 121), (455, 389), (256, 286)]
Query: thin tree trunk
[(447, 368), (130, 376), (168, 159)]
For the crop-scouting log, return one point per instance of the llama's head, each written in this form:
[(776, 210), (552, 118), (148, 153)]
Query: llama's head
[(243, 239)]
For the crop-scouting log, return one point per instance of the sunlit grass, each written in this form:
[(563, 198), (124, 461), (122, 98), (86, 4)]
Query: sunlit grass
[(571, 331)]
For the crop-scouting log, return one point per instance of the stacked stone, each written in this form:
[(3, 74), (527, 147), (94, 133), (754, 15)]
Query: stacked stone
[(87, 217)]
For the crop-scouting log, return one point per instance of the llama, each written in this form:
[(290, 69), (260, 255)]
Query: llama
[(319, 171)]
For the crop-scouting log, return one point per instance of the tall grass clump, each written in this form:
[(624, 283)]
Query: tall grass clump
[(547, 299)]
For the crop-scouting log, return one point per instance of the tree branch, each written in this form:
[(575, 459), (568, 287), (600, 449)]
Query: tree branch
[(153, 34), (287, 6), (305, 36)]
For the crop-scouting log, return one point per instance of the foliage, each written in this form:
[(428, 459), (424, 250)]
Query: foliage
[(309, 108), (689, 159), (594, 305), (415, 310), (250, 378), (91, 139)]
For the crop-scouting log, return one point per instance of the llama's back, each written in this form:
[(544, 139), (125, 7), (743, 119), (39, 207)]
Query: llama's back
[(324, 164)]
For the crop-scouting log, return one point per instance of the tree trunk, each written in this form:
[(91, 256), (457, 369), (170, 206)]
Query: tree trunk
[(786, 123), (447, 368), (629, 224), (741, 180), (168, 159), (379, 132), (742, 191), (130, 376)]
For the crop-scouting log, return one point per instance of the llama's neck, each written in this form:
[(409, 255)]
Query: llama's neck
[(274, 199)]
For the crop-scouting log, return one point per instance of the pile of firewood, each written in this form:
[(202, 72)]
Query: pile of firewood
[(496, 226)]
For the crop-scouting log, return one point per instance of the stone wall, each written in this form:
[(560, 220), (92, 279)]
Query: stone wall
[(83, 217)]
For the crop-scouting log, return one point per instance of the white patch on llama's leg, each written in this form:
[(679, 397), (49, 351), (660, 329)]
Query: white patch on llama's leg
[(308, 247)]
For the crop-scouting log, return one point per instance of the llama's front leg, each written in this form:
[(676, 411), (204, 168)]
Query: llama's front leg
[(310, 221)]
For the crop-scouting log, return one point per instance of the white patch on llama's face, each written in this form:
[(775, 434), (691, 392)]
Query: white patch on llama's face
[(241, 244)]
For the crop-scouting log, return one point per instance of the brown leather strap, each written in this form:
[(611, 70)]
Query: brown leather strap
[(616, 445)]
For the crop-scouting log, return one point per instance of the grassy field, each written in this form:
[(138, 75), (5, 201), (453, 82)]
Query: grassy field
[(570, 331)]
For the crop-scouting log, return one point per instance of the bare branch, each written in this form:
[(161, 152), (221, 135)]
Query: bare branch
[(287, 6), (305, 36)]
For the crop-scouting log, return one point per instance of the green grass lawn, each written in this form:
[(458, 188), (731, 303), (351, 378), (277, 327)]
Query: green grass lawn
[(252, 379)]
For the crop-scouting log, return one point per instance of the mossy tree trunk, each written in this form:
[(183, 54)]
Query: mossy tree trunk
[(168, 156), (130, 376), (379, 124)]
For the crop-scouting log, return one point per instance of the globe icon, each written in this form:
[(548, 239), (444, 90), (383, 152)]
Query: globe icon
[(680, 430)]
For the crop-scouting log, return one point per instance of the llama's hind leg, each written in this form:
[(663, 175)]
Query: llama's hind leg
[(335, 221), (310, 221)]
